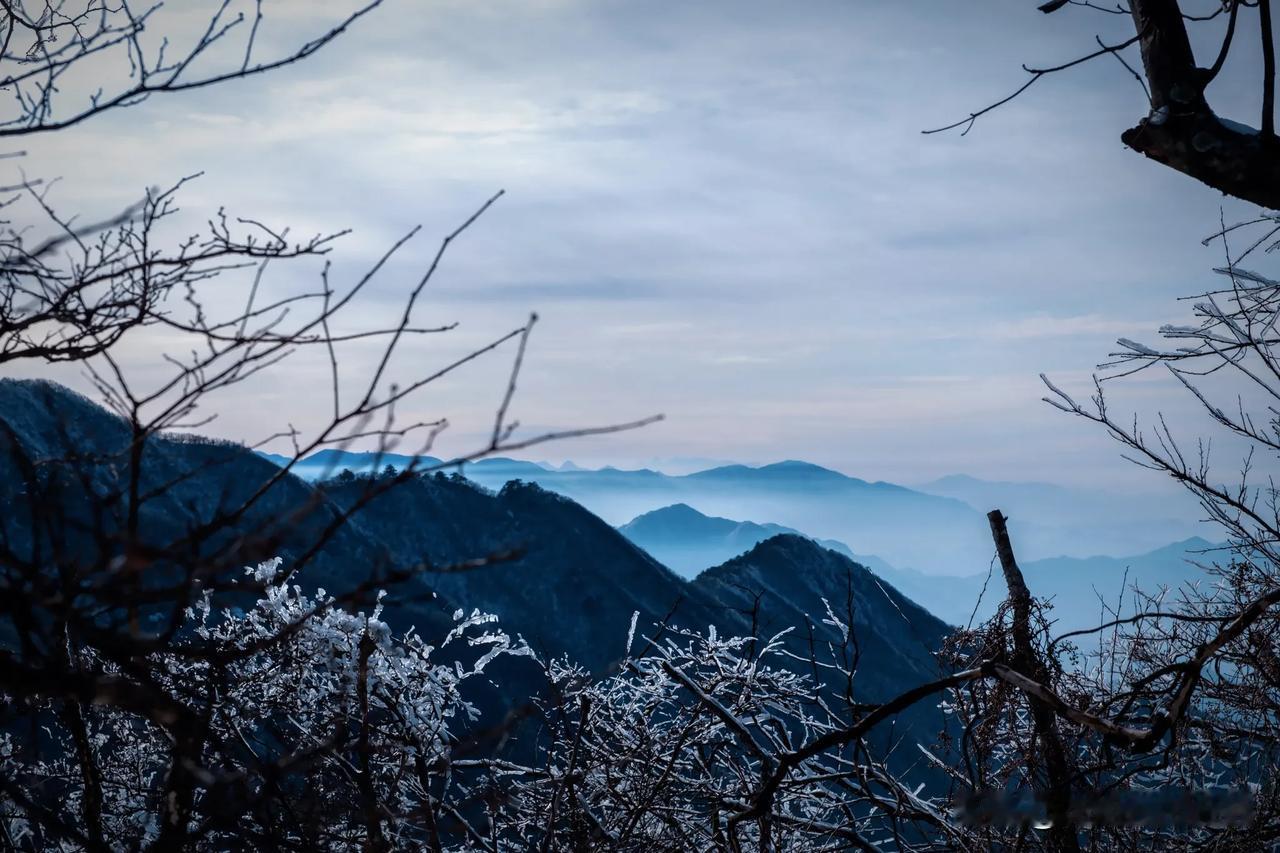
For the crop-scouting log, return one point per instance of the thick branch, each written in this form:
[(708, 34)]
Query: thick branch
[(1182, 132), (1236, 162), (1167, 58), (1268, 71)]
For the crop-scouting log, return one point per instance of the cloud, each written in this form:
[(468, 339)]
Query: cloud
[(721, 211), (742, 358), (542, 292), (1041, 326)]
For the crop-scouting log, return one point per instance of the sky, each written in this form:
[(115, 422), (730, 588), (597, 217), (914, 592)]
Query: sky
[(724, 212)]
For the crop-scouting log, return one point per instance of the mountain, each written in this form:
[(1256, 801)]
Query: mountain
[(574, 587), (684, 539), (330, 462), (796, 579), (1073, 585), (689, 541), (1049, 520), (880, 518), (904, 526), (893, 522), (571, 591), (937, 527), (186, 483), (578, 581), (788, 581)]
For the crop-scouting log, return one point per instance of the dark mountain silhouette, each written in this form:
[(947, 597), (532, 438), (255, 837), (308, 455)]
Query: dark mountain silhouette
[(572, 592), (797, 579), (187, 484), (579, 581), (791, 582)]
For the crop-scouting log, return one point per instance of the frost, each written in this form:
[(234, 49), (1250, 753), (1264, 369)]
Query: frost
[(631, 631), (1237, 126), (1141, 349), (1237, 274), (289, 679), (265, 570)]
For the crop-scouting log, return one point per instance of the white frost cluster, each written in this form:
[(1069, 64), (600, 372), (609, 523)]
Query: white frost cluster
[(282, 684)]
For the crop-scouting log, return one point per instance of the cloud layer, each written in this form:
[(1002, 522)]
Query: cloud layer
[(722, 211)]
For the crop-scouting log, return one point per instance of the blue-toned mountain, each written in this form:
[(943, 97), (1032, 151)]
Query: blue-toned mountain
[(686, 540), (882, 518)]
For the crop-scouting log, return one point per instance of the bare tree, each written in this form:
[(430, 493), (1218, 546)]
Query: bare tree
[(126, 700), (1182, 691), (1163, 734), (1181, 130)]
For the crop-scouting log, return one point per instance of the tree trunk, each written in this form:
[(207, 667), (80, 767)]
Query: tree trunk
[(1182, 131), (1058, 776)]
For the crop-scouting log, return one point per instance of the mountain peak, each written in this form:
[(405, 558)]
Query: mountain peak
[(49, 395), (797, 466), (676, 510), (792, 544), (51, 420), (787, 469), (957, 480), (789, 579), (677, 520), (790, 550), (1193, 543)]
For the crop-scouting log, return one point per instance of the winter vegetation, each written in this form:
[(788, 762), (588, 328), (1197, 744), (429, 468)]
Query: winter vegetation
[(202, 650), (270, 693)]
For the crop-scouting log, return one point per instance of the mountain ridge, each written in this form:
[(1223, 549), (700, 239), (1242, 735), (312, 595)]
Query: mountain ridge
[(576, 581), (827, 503), (881, 517), (689, 542), (693, 543)]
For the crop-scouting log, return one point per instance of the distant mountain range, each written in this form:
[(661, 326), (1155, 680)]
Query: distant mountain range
[(1077, 587), (1049, 520), (880, 517), (936, 528), (692, 542)]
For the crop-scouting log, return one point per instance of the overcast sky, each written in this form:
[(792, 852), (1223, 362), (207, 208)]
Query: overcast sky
[(722, 211)]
